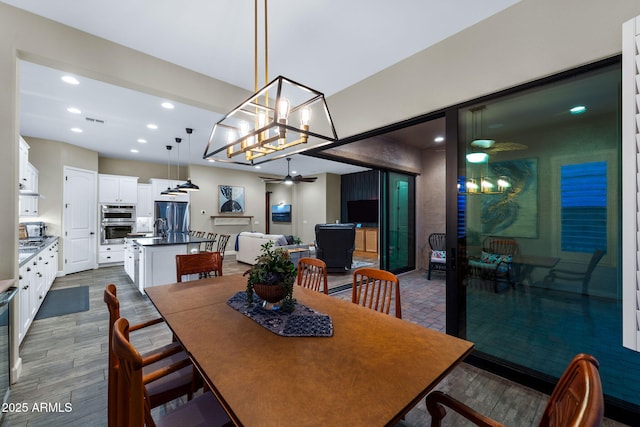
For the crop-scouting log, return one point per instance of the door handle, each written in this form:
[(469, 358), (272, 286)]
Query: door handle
[(453, 252)]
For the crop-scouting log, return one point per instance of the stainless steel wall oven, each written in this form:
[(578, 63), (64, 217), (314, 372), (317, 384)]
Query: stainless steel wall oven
[(116, 222)]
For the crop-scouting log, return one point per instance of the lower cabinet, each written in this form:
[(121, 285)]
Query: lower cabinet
[(35, 280), (110, 253)]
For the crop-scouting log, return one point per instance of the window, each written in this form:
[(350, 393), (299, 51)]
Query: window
[(583, 207)]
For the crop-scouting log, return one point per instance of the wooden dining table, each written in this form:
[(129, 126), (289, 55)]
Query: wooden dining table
[(371, 371)]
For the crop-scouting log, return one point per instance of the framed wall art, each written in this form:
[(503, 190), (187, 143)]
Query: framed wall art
[(230, 199)]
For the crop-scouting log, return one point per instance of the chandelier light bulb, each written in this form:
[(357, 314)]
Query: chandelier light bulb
[(283, 109), (305, 116)]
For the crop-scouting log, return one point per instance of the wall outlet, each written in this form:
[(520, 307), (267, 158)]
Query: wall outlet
[(202, 212)]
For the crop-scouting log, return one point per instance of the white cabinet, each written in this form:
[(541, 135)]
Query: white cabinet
[(160, 185), (110, 253), (35, 280), (24, 160), (129, 260), (24, 301), (28, 204), (145, 201), (117, 189)]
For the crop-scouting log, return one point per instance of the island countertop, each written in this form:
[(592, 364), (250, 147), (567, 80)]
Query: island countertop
[(170, 239)]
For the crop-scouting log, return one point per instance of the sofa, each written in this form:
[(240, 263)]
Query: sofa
[(335, 244), (249, 245)]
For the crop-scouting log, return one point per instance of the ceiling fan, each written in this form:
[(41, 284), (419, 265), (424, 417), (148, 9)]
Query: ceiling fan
[(290, 179)]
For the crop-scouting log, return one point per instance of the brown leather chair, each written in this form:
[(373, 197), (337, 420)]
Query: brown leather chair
[(312, 274), (576, 401), (203, 264), (180, 383), (377, 290), (134, 408)]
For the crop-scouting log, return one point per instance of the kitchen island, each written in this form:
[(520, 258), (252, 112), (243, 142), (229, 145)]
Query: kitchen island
[(151, 261)]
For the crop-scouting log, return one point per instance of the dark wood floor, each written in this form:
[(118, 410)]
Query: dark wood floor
[(65, 358)]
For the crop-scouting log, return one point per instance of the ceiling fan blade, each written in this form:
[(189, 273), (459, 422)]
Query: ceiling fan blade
[(300, 178), (265, 179)]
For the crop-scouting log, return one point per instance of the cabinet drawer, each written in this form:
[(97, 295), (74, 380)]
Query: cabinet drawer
[(110, 256)]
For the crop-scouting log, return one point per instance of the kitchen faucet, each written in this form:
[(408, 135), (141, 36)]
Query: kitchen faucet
[(160, 225)]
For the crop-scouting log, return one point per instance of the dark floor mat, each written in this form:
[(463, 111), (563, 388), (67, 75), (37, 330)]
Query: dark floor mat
[(64, 301)]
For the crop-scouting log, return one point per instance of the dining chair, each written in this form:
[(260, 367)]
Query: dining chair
[(208, 246), (312, 274), (133, 399), (377, 290), (203, 263), (200, 234), (179, 383), (222, 244), (576, 400)]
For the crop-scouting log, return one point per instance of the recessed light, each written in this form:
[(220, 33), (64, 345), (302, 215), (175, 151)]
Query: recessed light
[(74, 110), (438, 139), (294, 172), (168, 105), (257, 166), (133, 150), (76, 130), (211, 160), (71, 80), (142, 140), (152, 126), (578, 109)]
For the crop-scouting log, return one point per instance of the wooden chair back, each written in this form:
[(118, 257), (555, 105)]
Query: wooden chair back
[(377, 290), (113, 304), (577, 399), (312, 274), (133, 403), (202, 263), (222, 244)]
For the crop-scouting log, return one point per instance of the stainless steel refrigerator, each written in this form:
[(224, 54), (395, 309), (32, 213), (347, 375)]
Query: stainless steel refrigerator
[(175, 215)]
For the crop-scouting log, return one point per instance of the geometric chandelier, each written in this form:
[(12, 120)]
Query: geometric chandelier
[(281, 119)]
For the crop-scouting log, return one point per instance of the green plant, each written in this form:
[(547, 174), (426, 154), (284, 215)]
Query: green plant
[(273, 267), (297, 240)]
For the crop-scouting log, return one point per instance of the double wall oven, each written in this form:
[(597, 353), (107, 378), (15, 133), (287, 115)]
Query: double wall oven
[(116, 222)]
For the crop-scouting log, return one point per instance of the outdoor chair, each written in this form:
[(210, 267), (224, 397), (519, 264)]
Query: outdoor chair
[(133, 398), (312, 274), (437, 253), (576, 401), (495, 262), (377, 290), (572, 275), (179, 383), (204, 264)]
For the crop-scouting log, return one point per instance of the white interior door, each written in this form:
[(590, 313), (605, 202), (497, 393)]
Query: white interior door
[(80, 220)]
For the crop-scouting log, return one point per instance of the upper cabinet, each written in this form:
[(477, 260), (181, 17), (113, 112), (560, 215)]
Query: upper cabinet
[(160, 185), (117, 189), (145, 201), (24, 183)]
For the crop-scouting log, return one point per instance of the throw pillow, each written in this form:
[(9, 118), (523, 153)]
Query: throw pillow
[(439, 256)]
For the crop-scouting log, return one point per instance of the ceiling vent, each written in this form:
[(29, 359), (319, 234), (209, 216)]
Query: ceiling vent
[(92, 120)]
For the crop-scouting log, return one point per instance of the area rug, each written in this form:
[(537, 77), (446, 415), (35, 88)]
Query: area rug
[(64, 301)]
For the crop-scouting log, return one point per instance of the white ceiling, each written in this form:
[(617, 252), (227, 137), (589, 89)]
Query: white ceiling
[(326, 44)]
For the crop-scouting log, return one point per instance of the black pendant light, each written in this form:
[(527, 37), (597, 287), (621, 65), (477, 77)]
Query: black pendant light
[(189, 186), (177, 191)]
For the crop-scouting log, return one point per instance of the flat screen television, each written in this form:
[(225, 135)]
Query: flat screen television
[(359, 211), (281, 213)]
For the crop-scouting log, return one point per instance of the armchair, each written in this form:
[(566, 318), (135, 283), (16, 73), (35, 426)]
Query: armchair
[(335, 244), (438, 253)]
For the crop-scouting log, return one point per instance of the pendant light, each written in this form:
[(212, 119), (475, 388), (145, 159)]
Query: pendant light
[(176, 191), (189, 186), (167, 192)]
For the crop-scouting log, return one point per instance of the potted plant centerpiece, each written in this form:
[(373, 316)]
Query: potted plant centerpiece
[(272, 277)]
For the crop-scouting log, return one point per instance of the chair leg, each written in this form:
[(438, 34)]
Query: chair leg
[(429, 275)]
